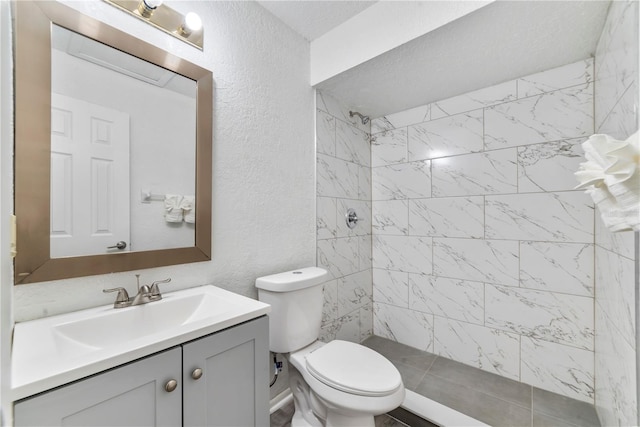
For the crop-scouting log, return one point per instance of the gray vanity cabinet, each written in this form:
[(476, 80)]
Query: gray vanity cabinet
[(221, 380), (130, 395), (226, 377)]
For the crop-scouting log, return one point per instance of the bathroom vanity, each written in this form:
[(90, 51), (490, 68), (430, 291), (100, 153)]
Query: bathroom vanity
[(207, 365)]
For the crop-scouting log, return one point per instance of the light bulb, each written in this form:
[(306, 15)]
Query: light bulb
[(152, 4), (147, 7), (192, 22)]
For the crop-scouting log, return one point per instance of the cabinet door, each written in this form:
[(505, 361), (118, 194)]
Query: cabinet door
[(131, 395), (234, 387)]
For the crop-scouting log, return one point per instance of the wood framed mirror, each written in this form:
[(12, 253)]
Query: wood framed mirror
[(36, 22)]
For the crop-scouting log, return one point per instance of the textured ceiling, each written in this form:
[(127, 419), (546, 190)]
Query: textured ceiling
[(311, 19), (500, 42)]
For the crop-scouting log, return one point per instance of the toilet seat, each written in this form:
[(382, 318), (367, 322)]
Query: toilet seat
[(354, 369)]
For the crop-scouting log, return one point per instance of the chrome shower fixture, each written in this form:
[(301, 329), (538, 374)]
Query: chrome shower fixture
[(365, 119)]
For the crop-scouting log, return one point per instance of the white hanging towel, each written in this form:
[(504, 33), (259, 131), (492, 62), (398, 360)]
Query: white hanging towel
[(611, 176), (172, 209), (188, 206)]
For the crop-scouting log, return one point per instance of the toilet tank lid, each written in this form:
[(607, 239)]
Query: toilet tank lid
[(292, 280)]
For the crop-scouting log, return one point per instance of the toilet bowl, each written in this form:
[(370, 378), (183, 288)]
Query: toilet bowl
[(339, 383)]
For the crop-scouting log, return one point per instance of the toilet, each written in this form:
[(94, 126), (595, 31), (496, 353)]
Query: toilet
[(339, 383)]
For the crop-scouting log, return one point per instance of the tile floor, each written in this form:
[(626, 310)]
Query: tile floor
[(482, 395), (487, 397)]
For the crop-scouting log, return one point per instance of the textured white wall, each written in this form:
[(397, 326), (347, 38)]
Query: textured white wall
[(263, 156)]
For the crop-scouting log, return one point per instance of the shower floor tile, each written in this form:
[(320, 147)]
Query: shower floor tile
[(487, 397)]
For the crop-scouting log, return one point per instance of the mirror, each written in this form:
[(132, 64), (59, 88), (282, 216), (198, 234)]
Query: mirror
[(110, 131)]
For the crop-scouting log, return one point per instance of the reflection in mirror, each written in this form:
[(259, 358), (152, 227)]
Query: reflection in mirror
[(169, 150), (121, 128)]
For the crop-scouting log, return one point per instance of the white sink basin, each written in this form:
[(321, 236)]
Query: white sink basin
[(56, 350), (116, 326)]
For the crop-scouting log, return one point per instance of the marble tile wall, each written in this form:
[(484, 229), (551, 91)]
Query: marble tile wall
[(343, 171), (482, 251), (616, 254)]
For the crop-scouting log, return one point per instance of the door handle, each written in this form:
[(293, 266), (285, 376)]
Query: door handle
[(120, 245)]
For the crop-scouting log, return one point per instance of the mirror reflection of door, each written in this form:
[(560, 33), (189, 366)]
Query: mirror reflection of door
[(89, 178)]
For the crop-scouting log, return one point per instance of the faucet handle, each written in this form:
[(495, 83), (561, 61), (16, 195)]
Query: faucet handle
[(155, 289), (122, 300)]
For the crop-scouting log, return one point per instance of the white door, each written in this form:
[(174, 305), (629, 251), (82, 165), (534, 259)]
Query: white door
[(89, 178)]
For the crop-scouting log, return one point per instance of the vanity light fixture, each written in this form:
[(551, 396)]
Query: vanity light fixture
[(186, 28)]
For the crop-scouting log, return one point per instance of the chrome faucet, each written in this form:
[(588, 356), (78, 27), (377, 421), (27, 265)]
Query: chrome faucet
[(145, 294)]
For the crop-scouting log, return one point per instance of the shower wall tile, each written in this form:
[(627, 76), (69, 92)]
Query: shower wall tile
[(447, 217), (336, 177), (338, 110), (616, 114), (554, 217), (401, 119), (447, 136), (489, 349), (557, 267), (348, 327), (402, 325), (493, 172), (391, 287), (389, 147), (558, 368), (452, 298), (364, 183), (363, 210), (617, 66), (330, 306), (338, 256), (622, 121), (365, 257), (402, 181), (354, 292), (390, 217), (366, 322), (615, 373), (574, 74), (615, 276), (352, 144), (493, 261), (553, 116), (486, 97), (550, 166), (621, 243), (560, 318), (409, 254), (326, 225), (325, 133)]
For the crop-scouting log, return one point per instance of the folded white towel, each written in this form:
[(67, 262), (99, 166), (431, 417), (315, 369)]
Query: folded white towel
[(611, 176), (172, 209), (188, 206)]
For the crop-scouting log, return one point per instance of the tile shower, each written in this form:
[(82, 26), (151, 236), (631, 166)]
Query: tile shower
[(481, 251)]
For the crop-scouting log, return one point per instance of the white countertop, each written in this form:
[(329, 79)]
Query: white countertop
[(44, 359)]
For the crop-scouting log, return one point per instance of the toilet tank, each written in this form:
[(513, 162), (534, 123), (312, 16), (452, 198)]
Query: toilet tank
[(296, 300)]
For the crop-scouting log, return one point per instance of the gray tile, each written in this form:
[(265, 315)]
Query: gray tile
[(411, 376), (484, 407), (409, 418), (400, 353), (543, 420), (486, 382), (387, 421), (565, 409)]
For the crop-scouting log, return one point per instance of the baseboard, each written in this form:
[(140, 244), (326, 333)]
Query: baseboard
[(280, 400)]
